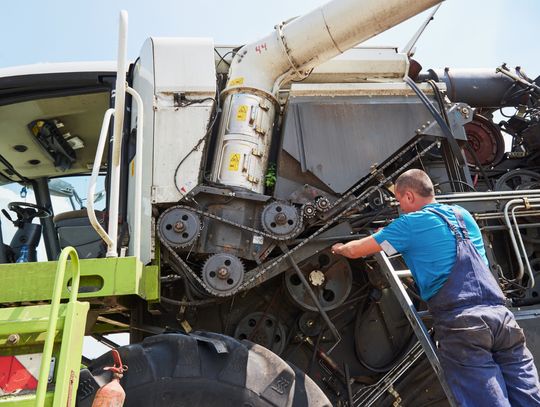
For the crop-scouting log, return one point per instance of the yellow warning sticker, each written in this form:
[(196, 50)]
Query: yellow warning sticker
[(241, 113), (236, 81), (234, 162), (132, 168)]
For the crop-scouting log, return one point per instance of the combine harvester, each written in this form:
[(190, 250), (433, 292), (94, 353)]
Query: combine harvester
[(229, 172)]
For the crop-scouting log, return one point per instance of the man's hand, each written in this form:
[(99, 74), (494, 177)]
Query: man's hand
[(357, 248), (337, 248)]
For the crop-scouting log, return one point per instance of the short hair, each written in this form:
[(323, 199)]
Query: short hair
[(417, 181)]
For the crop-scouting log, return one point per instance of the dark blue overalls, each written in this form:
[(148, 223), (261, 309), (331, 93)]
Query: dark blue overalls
[(480, 345)]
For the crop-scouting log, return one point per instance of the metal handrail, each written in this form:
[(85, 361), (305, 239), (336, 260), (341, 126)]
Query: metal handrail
[(116, 149), (111, 237), (138, 172), (93, 179), (53, 315)]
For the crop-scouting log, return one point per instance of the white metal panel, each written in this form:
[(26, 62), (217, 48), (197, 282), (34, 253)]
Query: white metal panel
[(143, 82), (363, 64), (184, 65), (177, 134), (170, 66)]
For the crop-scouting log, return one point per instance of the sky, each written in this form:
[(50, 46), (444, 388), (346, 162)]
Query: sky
[(465, 33)]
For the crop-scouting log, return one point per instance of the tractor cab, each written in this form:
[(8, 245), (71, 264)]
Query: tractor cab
[(50, 118)]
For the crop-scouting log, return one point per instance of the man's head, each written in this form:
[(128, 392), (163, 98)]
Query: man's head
[(413, 190)]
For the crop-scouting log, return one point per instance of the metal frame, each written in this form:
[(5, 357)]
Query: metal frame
[(118, 276), (47, 327)]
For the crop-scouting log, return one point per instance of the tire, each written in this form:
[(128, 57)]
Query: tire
[(190, 370)]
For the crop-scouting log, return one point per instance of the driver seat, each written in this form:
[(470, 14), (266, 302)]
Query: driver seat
[(74, 229)]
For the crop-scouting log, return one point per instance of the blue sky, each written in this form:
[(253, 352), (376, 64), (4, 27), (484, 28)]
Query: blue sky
[(479, 33)]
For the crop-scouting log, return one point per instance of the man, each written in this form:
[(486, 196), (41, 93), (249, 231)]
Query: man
[(480, 345)]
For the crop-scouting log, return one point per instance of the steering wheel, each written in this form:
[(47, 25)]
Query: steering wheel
[(27, 211)]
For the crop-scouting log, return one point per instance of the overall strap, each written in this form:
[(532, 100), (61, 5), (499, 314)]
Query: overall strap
[(452, 227), (461, 223)]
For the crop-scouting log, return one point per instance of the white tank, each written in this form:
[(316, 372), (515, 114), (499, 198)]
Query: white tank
[(243, 142)]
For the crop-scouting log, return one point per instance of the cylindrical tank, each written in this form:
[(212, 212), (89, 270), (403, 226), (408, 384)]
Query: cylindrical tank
[(110, 395), (244, 141)]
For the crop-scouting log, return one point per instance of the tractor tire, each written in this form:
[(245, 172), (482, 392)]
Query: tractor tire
[(202, 369)]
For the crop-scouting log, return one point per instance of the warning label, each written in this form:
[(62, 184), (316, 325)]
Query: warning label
[(236, 81), (234, 162), (241, 113)]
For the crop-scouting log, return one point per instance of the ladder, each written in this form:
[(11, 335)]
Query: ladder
[(413, 316), (30, 333)]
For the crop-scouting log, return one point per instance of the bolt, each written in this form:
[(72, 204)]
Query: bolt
[(280, 218), (179, 227), (13, 339), (316, 278), (310, 323), (223, 273)]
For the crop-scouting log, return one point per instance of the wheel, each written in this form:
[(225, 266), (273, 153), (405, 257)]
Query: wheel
[(203, 369), (518, 180)]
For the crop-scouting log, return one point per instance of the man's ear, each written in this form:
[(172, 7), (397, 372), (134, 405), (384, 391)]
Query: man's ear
[(410, 196)]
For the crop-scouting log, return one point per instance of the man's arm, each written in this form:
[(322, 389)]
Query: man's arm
[(357, 248)]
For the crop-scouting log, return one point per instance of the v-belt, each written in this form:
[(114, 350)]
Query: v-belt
[(261, 273)]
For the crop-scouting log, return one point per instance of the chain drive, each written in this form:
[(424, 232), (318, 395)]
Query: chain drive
[(260, 274)]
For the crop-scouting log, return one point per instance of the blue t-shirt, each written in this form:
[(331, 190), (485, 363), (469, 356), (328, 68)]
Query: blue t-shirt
[(427, 244)]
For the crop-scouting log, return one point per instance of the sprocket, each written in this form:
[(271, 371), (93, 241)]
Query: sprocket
[(281, 219), (179, 226), (223, 272)]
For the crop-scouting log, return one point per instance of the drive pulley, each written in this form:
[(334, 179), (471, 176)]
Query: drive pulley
[(281, 219), (179, 227), (263, 328), (223, 272), (330, 277)]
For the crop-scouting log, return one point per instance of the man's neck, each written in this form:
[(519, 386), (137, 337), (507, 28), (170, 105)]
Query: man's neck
[(428, 202)]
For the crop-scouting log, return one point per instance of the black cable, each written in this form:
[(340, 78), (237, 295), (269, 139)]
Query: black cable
[(196, 303), (459, 182), (440, 101), (13, 170), (189, 102), (222, 57), (439, 119), (203, 138), (480, 166)]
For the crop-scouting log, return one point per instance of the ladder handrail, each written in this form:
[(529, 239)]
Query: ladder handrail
[(116, 148), (93, 179), (111, 237), (53, 315), (138, 172)]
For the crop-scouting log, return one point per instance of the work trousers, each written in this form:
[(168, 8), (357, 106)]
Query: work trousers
[(485, 359)]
